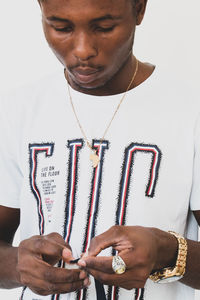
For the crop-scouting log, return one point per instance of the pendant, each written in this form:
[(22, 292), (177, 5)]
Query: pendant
[(94, 158)]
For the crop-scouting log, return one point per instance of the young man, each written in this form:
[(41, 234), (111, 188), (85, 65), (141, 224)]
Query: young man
[(102, 159)]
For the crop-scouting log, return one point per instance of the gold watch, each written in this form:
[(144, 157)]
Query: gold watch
[(171, 274)]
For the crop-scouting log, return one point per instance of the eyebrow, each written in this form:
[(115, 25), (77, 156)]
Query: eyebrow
[(107, 17), (58, 19), (103, 18)]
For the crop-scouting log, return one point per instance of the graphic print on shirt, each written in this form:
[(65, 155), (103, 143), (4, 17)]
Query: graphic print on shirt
[(93, 207), (34, 151), (127, 170), (70, 205), (75, 146), (139, 294)]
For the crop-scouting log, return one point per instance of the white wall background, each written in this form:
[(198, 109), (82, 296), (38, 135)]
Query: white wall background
[(170, 35)]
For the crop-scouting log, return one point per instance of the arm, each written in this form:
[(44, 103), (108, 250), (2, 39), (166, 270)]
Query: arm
[(32, 263), (143, 250), (191, 277), (9, 222)]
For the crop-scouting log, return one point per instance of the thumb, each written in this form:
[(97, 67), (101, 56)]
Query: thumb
[(67, 255)]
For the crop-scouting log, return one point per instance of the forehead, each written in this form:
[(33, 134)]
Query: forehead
[(84, 8)]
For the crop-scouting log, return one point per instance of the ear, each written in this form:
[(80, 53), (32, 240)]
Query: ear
[(140, 7)]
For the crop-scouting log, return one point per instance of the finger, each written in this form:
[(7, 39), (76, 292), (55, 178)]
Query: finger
[(107, 239), (56, 237), (41, 270), (61, 275), (67, 255), (43, 246), (100, 263), (103, 263), (106, 278), (46, 288), (83, 274), (126, 280)]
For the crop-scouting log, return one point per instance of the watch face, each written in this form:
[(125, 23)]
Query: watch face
[(169, 279)]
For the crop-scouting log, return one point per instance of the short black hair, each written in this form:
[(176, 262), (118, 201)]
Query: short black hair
[(133, 2)]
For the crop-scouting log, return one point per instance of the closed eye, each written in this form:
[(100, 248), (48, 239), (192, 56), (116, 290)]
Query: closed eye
[(63, 29), (104, 29)]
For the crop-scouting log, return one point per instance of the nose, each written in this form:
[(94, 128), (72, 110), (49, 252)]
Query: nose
[(84, 46)]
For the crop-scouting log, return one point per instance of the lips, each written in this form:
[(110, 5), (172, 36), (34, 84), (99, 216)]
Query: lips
[(85, 75)]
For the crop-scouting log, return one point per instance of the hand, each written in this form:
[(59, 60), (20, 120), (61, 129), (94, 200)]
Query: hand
[(142, 249), (36, 259)]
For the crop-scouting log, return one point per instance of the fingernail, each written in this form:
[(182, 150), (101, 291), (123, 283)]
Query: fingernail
[(82, 263), (67, 254), (82, 275), (66, 251), (86, 282)]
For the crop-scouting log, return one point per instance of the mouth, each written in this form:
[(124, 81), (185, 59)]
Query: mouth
[(85, 75)]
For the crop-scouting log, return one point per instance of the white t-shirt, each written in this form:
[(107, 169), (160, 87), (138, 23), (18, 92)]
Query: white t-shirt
[(148, 173)]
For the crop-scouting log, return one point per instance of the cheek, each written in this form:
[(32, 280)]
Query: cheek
[(55, 42), (118, 47)]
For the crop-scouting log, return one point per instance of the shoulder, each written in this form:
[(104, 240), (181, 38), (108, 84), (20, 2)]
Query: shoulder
[(176, 93), (25, 105), (26, 97)]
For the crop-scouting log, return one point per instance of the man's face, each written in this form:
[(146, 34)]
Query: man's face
[(92, 38)]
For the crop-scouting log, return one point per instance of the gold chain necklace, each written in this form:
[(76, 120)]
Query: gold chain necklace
[(94, 156)]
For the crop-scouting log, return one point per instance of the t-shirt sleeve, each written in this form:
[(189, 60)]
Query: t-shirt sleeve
[(10, 174), (195, 192)]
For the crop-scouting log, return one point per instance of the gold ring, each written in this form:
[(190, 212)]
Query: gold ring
[(118, 265)]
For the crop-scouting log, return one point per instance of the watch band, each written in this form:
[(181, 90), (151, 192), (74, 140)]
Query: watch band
[(178, 271)]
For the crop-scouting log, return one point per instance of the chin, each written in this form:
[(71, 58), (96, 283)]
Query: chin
[(89, 86)]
